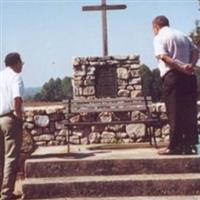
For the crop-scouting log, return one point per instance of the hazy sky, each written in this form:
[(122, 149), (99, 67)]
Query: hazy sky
[(48, 34)]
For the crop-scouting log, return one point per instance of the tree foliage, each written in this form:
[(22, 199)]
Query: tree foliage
[(156, 86), (151, 83), (195, 35), (198, 81), (55, 90), (147, 79)]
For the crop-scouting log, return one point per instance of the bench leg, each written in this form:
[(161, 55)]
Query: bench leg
[(153, 136), (68, 138), (148, 134)]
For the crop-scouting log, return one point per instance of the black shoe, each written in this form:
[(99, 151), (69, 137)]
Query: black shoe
[(189, 150), (167, 151), (16, 196)]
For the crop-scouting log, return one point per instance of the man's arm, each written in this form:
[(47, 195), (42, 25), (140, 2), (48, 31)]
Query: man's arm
[(194, 56), (18, 107), (176, 64), (17, 93), (182, 67)]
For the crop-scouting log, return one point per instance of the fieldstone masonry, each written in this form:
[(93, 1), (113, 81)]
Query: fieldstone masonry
[(111, 76), (43, 126)]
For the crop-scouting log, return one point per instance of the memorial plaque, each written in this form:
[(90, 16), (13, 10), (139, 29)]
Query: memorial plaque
[(106, 82)]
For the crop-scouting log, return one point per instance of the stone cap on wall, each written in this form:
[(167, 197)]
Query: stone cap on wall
[(49, 108), (77, 61)]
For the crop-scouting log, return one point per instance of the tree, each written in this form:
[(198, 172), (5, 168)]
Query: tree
[(198, 81), (147, 79), (156, 86), (38, 97), (47, 91), (58, 92), (195, 35), (55, 90), (67, 87), (199, 4)]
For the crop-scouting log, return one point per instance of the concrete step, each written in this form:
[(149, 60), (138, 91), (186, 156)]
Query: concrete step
[(135, 198), (115, 185), (55, 166)]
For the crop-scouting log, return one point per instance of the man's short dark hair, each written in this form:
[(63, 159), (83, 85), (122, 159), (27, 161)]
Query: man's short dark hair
[(12, 59), (161, 21)]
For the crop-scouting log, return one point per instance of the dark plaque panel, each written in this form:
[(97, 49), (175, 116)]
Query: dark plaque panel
[(106, 81)]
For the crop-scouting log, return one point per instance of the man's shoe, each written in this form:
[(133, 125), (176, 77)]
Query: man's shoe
[(16, 196), (167, 151), (190, 150)]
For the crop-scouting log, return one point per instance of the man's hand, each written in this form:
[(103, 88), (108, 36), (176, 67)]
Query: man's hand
[(188, 69), (185, 68)]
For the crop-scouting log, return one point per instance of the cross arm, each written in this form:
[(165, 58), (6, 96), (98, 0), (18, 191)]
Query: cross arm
[(104, 7)]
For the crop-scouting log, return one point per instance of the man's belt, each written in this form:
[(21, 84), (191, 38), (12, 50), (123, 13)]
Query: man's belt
[(7, 114)]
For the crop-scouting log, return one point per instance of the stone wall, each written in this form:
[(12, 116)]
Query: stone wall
[(86, 71), (43, 126)]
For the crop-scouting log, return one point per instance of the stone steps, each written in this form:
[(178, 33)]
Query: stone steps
[(124, 174), (55, 167), (115, 185)]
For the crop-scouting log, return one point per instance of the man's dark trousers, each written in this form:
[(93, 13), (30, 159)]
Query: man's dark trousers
[(180, 96)]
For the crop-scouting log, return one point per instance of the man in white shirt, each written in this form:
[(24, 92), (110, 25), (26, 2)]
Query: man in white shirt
[(177, 57), (11, 89)]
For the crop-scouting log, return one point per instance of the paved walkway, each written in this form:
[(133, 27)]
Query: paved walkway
[(112, 151)]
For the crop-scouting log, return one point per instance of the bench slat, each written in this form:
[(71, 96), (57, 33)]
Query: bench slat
[(74, 104), (110, 99), (91, 109), (145, 121)]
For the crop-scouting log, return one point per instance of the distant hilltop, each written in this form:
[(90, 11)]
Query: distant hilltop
[(30, 92)]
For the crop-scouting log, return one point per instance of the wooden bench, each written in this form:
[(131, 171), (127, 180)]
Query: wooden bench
[(114, 106)]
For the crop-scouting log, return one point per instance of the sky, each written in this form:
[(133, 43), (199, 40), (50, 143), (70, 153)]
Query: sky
[(50, 33)]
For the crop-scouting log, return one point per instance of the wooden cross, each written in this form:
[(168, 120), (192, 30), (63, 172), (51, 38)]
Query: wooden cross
[(103, 8)]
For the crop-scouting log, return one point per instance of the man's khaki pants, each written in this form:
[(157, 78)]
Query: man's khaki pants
[(10, 144)]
